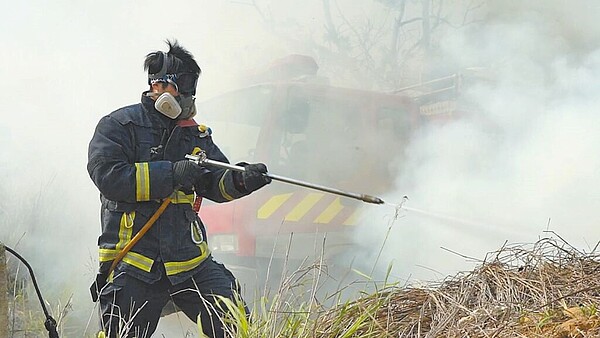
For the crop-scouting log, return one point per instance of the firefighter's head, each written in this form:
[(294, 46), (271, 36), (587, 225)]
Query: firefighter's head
[(173, 77)]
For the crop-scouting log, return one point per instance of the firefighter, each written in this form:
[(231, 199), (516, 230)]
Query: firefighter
[(136, 159)]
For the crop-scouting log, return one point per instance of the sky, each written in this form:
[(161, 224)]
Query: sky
[(526, 162)]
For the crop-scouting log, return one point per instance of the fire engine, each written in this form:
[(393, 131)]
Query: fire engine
[(306, 129)]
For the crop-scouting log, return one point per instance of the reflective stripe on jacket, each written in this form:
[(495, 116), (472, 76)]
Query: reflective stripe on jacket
[(130, 160)]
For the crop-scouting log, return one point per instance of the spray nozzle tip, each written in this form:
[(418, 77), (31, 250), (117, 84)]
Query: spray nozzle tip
[(372, 199)]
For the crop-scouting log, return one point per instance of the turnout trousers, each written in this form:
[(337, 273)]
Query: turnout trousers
[(130, 307)]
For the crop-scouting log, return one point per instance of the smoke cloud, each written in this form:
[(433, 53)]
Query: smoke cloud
[(523, 162)]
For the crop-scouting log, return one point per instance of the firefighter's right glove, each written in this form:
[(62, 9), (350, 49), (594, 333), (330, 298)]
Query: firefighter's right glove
[(253, 176), (186, 174)]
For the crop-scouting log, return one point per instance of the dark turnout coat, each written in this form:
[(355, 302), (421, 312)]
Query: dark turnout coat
[(130, 161)]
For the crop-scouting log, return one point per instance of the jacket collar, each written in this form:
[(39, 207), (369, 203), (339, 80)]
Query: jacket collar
[(153, 114)]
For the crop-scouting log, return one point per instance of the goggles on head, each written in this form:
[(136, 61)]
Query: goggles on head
[(184, 82)]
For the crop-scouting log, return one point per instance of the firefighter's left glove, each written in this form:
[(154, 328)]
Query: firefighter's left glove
[(254, 176), (186, 174)]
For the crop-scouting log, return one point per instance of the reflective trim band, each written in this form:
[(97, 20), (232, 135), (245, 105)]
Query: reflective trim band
[(303, 207), (272, 205), (125, 233), (125, 229), (135, 259), (142, 182), (222, 187), (139, 261), (107, 255), (173, 268), (179, 197)]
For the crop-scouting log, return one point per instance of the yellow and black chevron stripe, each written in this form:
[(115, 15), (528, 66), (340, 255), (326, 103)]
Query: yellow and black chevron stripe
[(310, 207)]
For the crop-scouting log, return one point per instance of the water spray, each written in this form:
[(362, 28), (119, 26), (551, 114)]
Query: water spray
[(441, 216), (438, 215)]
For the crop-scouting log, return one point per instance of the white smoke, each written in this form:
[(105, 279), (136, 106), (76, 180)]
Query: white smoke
[(526, 160)]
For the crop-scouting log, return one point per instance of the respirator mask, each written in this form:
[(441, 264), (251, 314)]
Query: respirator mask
[(180, 107)]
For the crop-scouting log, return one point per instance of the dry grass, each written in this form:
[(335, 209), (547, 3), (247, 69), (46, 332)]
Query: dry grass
[(545, 289), (548, 289)]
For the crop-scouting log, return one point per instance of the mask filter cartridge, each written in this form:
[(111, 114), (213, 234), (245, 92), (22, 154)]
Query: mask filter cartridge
[(168, 105)]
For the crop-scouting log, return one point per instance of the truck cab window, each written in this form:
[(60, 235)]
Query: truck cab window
[(394, 124), (236, 119), (317, 128)]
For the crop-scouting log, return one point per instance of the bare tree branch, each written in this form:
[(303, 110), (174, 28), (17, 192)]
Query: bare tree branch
[(331, 31), (253, 4)]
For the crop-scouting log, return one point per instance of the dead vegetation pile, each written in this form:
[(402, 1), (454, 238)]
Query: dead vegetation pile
[(546, 289)]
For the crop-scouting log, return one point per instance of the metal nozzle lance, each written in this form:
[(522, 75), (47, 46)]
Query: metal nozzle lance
[(202, 159), (372, 199)]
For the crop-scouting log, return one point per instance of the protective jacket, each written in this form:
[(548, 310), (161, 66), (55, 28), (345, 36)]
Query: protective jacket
[(130, 161)]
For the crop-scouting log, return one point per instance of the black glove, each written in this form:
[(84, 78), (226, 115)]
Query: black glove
[(186, 174), (253, 177)]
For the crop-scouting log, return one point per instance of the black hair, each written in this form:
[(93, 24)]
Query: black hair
[(178, 60)]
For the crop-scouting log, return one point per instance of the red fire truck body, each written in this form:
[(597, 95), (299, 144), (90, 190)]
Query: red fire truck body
[(344, 138), (308, 130)]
